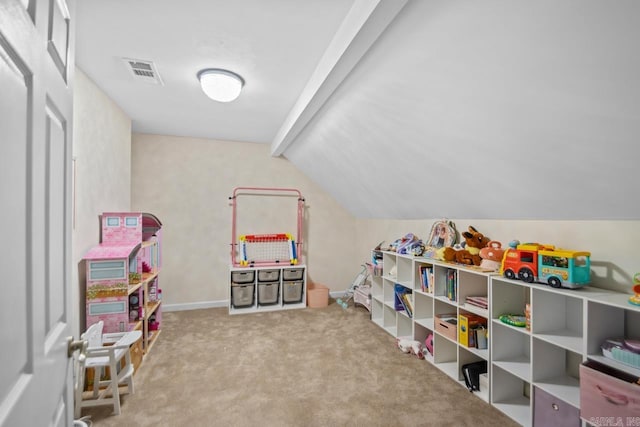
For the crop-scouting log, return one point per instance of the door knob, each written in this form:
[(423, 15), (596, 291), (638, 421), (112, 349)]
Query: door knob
[(74, 345)]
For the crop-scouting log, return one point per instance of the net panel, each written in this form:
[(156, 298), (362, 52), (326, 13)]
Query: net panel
[(267, 249)]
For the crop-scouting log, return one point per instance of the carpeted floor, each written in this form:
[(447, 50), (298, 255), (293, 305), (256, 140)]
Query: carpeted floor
[(308, 367)]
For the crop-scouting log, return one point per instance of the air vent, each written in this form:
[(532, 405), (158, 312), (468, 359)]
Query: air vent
[(143, 70)]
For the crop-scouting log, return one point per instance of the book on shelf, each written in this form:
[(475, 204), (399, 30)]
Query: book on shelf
[(405, 302), (478, 301), (426, 278), (408, 304), (452, 284)]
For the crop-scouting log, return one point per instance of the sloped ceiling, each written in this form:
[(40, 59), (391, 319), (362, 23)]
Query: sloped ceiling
[(488, 110)]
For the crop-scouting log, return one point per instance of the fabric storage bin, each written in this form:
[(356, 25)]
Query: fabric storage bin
[(267, 292), (242, 294), (548, 410), (317, 295), (292, 273), (243, 276), (291, 291), (608, 392), (268, 275)]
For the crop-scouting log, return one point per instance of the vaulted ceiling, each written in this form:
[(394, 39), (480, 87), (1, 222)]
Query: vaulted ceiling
[(400, 109)]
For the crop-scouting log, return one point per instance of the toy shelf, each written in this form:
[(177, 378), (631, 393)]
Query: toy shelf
[(266, 271), (568, 326), (122, 287)]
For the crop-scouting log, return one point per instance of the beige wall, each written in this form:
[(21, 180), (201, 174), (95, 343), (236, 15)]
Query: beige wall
[(187, 182), (613, 244), (102, 152)]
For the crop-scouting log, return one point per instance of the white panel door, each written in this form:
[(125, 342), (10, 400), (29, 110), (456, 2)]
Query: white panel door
[(36, 71)]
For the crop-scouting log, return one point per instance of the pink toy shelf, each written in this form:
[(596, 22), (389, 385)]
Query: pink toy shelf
[(121, 269), (280, 248)]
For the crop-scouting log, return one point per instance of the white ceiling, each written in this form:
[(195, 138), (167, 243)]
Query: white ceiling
[(275, 45), (443, 108)]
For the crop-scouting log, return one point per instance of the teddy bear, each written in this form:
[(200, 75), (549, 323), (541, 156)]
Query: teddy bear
[(470, 254)]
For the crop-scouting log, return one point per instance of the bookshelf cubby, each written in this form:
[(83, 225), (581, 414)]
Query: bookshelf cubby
[(430, 301)]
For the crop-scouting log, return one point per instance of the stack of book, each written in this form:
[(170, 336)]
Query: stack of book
[(478, 301)]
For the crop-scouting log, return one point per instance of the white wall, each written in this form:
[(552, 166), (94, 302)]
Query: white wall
[(613, 244), (187, 182), (102, 152), (525, 109)]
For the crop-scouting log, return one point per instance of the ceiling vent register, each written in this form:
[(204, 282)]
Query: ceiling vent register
[(143, 70)]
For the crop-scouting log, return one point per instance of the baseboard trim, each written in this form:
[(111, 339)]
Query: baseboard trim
[(194, 305), (222, 303)]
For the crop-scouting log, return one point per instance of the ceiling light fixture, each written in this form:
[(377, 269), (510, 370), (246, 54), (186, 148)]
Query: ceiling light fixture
[(220, 85)]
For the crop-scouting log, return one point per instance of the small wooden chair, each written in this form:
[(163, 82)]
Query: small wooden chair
[(106, 350)]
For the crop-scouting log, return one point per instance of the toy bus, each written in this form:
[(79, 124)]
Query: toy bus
[(533, 262)]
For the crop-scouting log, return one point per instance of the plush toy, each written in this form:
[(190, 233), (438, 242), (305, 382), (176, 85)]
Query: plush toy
[(401, 244), (470, 254), (410, 346), (492, 255), (404, 345)]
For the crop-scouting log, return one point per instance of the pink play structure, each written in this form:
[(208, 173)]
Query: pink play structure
[(128, 255), (266, 249)]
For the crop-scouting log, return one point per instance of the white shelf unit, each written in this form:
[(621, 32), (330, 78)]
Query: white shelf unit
[(405, 271), (266, 288), (568, 326)]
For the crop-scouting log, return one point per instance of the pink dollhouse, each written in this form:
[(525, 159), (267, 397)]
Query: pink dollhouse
[(122, 274)]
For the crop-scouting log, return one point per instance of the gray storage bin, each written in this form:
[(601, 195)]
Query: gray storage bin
[(242, 295), (268, 292), (292, 273), (243, 276), (548, 410), (268, 275), (291, 291)]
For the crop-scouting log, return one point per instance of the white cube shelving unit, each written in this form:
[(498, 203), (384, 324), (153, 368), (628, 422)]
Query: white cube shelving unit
[(568, 326)]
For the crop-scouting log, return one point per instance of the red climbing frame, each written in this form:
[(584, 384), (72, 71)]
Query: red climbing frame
[(262, 192)]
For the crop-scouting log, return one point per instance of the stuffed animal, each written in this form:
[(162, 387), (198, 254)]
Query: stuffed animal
[(401, 244), (470, 254), (492, 255), (410, 346), (404, 345)]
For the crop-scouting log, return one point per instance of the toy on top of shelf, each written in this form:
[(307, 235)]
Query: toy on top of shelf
[(470, 253), (492, 255), (267, 248), (252, 250), (635, 299), (534, 262), (443, 233), (409, 244)]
